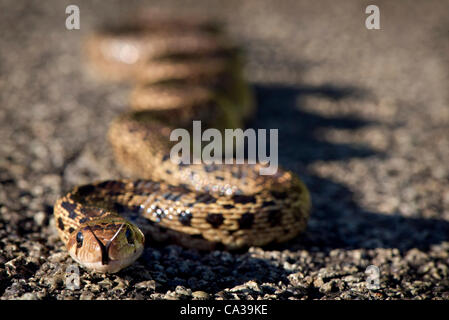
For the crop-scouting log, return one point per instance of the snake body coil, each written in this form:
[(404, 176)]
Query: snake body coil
[(185, 71)]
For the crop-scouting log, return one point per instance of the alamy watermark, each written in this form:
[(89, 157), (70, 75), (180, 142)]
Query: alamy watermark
[(213, 152), (73, 19), (373, 279), (72, 277), (373, 20)]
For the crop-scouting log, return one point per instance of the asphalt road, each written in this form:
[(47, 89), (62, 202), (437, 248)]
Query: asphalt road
[(362, 115)]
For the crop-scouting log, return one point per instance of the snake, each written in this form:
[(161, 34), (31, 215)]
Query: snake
[(182, 69)]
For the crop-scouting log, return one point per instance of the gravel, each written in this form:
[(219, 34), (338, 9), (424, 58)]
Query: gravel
[(363, 118)]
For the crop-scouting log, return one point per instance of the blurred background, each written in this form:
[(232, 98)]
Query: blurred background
[(363, 118)]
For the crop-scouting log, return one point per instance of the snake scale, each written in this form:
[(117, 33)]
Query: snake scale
[(183, 69)]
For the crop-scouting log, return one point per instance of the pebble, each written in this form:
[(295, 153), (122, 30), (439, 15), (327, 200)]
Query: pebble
[(39, 218), (149, 284), (200, 295)]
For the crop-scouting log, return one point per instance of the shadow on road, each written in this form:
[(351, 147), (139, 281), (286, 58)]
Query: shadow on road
[(337, 221)]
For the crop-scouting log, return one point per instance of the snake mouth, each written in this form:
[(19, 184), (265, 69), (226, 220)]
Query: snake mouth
[(112, 266), (108, 262)]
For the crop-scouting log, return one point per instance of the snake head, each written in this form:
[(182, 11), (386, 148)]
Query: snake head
[(106, 245)]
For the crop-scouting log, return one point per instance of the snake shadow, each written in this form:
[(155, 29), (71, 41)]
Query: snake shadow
[(336, 222)]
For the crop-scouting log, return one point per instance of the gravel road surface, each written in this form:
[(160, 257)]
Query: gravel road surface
[(363, 118)]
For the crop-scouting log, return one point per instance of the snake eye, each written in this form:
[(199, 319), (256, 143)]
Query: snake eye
[(79, 239), (129, 236)]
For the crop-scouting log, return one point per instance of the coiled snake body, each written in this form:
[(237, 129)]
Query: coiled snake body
[(184, 71)]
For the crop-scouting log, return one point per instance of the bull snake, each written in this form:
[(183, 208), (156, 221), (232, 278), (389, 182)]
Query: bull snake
[(183, 70)]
